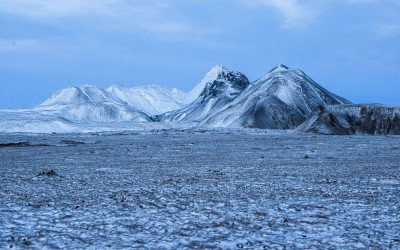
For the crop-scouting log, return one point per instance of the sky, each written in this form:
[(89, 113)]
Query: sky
[(350, 47)]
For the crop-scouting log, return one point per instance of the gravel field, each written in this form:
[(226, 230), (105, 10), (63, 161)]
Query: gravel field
[(199, 189)]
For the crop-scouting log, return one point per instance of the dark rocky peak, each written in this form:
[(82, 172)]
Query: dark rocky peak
[(278, 68), (224, 83)]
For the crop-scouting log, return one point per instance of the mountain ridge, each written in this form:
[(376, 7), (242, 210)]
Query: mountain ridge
[(283, 98)]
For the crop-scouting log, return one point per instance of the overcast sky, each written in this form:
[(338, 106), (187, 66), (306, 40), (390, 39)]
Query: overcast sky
[(351, 47)]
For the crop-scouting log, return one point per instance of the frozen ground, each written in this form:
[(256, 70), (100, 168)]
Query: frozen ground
[(199, 189)]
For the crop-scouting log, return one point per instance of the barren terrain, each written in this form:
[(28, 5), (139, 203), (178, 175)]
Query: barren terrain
[(199, 189)]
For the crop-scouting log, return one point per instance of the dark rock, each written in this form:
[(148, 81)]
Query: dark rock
[(373, 119), (50, 173)]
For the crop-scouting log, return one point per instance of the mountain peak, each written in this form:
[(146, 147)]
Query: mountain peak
[(225, 83), (217, 68), (215, 73), (279, 67), (78, 95), (282, 66)]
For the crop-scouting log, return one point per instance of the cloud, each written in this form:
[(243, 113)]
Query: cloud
[(158, 17), (302, 13), (151, 15), (296, 14)]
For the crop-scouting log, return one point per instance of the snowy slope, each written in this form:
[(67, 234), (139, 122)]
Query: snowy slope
[(89, 103), (282, 99), (94, 112), (34, 122), (84, 94), (90, 108), (176, 93), (219, 87), (152, 99), (353, 119)]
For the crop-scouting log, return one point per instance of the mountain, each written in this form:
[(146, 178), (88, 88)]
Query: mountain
[(211, 76), (353, 119), (89, 103), (219, 87), (78, 95), (152, 99), (282, 99)]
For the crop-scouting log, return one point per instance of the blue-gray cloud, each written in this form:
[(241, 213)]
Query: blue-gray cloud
[(296, 14), (154, 16)]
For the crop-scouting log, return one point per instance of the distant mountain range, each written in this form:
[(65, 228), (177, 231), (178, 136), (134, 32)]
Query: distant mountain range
[(281, 99)]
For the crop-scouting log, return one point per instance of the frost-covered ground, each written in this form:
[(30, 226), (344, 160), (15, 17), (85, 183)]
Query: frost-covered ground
[(199, 189)]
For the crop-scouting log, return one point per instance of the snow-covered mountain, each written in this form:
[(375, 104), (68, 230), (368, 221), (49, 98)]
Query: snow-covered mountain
[(282, 99), (152, 99), (353, 119), (219, 87), (89, 103), (78, 95)]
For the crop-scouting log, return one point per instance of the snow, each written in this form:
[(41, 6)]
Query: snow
[(95, 112), (219, 87), (279, 68), (152, 99), (35, 122), (117, 103), (200, 188), (76, 95), (180, 95), (90, 104), (124, 181), (282, 99), (212, 75)]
